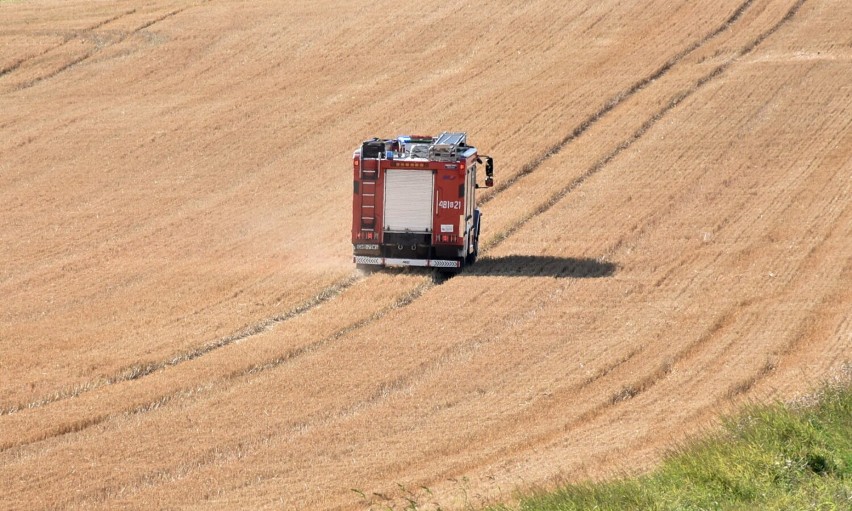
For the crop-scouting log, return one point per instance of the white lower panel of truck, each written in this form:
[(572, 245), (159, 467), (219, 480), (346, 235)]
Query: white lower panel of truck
[(388, 261), (409, 197)]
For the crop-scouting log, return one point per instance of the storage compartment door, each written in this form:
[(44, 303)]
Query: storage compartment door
[(409, 195)]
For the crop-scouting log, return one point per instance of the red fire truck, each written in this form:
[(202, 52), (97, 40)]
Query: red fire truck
[(414, 201)]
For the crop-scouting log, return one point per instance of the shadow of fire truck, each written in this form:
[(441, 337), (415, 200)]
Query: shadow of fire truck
[(541, 266)]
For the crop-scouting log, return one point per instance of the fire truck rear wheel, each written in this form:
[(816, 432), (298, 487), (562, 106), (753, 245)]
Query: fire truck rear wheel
[(471, 258)]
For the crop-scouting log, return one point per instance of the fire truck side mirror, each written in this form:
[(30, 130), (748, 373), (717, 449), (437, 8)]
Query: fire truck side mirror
[(489, 171)]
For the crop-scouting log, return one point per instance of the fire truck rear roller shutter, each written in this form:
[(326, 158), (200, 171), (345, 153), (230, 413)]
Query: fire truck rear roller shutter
[(408, 200)]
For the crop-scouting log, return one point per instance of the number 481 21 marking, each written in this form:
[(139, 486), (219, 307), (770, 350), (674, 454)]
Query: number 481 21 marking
[(450, 204)]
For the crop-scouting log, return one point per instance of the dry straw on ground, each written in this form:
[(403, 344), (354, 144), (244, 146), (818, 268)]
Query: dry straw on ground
[(180, 322)]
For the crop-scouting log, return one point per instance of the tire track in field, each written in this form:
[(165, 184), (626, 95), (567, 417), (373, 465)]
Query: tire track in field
[(140, 370), (617, 100), (820, 316), (805, 324), (18, 63), (723, 321), (248, 446), (639, 133), (92, 52), (284, 358), (626, 392), (818, 319), (642, 384)]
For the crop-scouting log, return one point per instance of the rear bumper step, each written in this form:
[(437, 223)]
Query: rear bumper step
[(387, 261)]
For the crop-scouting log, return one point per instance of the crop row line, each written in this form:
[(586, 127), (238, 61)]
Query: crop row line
[(138, 371), (278, 361), (644, 383), (617, 100), (141, 370), (18, 63), (88, 54)]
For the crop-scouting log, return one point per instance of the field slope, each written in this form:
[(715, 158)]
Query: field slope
[(180, 321)]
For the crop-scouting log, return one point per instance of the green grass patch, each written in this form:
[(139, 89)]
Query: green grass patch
[(776, 457)]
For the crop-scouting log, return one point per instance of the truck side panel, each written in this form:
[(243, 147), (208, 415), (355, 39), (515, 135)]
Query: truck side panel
[(450, 202), (367, 201)]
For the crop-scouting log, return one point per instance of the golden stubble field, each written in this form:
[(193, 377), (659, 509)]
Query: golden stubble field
[(180, 321)]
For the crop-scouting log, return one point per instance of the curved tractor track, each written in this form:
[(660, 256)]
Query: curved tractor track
[(181, 324), (142, 369)]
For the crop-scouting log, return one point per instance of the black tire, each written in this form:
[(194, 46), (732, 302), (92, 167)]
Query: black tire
[(471, 257)]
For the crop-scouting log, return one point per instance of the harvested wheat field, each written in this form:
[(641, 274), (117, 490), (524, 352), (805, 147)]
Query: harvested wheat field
[(181, 324)]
